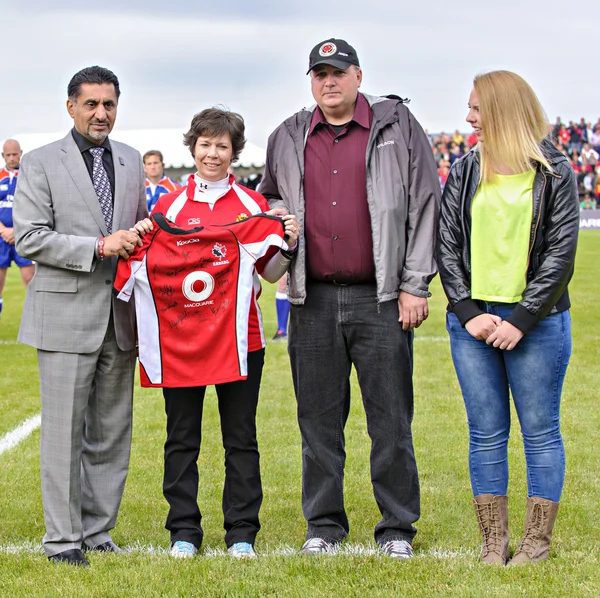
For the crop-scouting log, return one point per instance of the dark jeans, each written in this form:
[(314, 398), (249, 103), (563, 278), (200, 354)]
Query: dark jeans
[(242, 493), (337, 327)]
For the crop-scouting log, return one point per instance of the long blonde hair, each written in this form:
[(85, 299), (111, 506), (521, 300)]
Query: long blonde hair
[(513, 122)]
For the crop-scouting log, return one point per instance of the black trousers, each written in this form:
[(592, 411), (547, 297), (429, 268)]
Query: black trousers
[(242, 493), (339, 327)]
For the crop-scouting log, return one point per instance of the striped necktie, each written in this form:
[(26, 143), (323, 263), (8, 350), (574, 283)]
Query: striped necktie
[(102, 187)]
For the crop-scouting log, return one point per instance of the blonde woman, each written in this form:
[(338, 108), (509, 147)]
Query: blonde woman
[(507, 238)]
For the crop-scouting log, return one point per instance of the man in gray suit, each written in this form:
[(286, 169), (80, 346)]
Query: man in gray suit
[(76, 201)]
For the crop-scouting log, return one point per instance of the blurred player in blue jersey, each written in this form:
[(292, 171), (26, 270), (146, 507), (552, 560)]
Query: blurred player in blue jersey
[(282, 306), (157, 183), (11, 152)]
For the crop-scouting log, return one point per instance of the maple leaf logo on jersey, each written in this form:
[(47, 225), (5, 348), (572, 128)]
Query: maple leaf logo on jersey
[(219, 250), (241, 217)]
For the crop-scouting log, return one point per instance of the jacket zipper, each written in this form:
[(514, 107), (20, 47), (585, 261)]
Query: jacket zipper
[(537, 223), (534, 234), (467, 214)]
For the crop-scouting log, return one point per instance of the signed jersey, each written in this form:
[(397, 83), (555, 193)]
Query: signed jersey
[(204, 203), (8, 185), (193, 291)]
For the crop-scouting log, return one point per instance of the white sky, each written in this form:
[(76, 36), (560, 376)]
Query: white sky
[(176, 58)]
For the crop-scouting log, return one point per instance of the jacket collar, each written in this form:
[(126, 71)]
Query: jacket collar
[(383, 109), (551, 154), (361, 116)]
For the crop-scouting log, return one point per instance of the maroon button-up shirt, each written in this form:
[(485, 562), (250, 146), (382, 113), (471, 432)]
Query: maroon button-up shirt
[(339, 240)]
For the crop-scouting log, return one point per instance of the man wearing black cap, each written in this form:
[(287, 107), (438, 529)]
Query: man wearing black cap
[(359, 173)]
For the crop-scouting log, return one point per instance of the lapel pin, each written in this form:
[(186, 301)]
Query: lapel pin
[(121, 161)]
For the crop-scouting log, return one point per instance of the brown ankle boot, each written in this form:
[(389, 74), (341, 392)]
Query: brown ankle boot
[(539, 521), (492, 517)]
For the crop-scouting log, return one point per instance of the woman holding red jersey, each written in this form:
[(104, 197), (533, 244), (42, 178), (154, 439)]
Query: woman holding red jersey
[(215, 139)]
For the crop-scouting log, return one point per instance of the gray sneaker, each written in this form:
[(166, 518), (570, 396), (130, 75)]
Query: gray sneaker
[(397, 549), (316, 546)]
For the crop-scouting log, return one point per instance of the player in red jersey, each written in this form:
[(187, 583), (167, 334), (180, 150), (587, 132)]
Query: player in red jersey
[(212, 197)]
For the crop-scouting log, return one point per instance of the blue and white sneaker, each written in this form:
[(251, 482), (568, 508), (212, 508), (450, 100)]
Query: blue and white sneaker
[(242, 550), (183, 550)]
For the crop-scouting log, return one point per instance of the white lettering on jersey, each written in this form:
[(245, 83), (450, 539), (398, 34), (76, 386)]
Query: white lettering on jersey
[(180, 243), (186, 305)]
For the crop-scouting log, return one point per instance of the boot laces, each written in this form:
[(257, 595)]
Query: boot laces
[(489, 523), (533, 533)]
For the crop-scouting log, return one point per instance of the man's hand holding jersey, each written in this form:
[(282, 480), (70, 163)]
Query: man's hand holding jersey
[(122, 243)]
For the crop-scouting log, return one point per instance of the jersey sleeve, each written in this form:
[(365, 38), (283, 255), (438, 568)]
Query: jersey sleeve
[(127, 268), (260, 236)]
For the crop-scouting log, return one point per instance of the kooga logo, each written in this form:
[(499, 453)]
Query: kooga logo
[(180, 243)]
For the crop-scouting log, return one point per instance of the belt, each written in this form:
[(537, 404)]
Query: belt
[(340, 283), (348, 283)]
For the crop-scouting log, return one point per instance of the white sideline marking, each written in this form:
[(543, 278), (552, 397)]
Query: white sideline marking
[(20, 433), (431, 339), (345, 550)]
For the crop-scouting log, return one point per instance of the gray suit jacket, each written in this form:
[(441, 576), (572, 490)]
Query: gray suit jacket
[(57, 219)]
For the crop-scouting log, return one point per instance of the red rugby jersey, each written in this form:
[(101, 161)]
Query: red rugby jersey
[(187, 208), (193, 292)]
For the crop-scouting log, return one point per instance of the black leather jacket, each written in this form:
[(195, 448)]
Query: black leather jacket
[(552, 243)]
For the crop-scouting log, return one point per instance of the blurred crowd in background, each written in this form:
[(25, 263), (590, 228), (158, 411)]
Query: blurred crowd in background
[(579, 142)]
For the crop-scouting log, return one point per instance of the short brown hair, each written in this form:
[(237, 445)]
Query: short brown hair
[(215, 122), (153, 153)]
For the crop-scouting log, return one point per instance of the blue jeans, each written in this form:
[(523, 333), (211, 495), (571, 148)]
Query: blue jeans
[(534, 372), (339, 327)]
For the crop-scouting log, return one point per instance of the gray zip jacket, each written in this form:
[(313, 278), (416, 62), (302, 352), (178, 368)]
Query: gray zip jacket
[(403, 192)]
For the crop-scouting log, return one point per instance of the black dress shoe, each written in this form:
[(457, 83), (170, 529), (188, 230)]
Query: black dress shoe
[(74, 556), (109, 546)]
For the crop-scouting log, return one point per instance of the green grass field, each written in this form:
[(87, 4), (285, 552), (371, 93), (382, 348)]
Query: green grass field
[(446, 545)]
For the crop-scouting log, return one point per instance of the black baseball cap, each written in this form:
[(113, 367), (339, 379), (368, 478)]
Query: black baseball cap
[(336, 52)]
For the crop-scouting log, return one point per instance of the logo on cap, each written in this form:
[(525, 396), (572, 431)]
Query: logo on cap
[(327, 49)]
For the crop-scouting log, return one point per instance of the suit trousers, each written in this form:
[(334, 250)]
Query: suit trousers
[(85, 441), (242, 492), (339, 327)]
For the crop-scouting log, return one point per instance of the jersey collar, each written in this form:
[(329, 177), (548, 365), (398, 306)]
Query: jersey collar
[(208, 191)]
